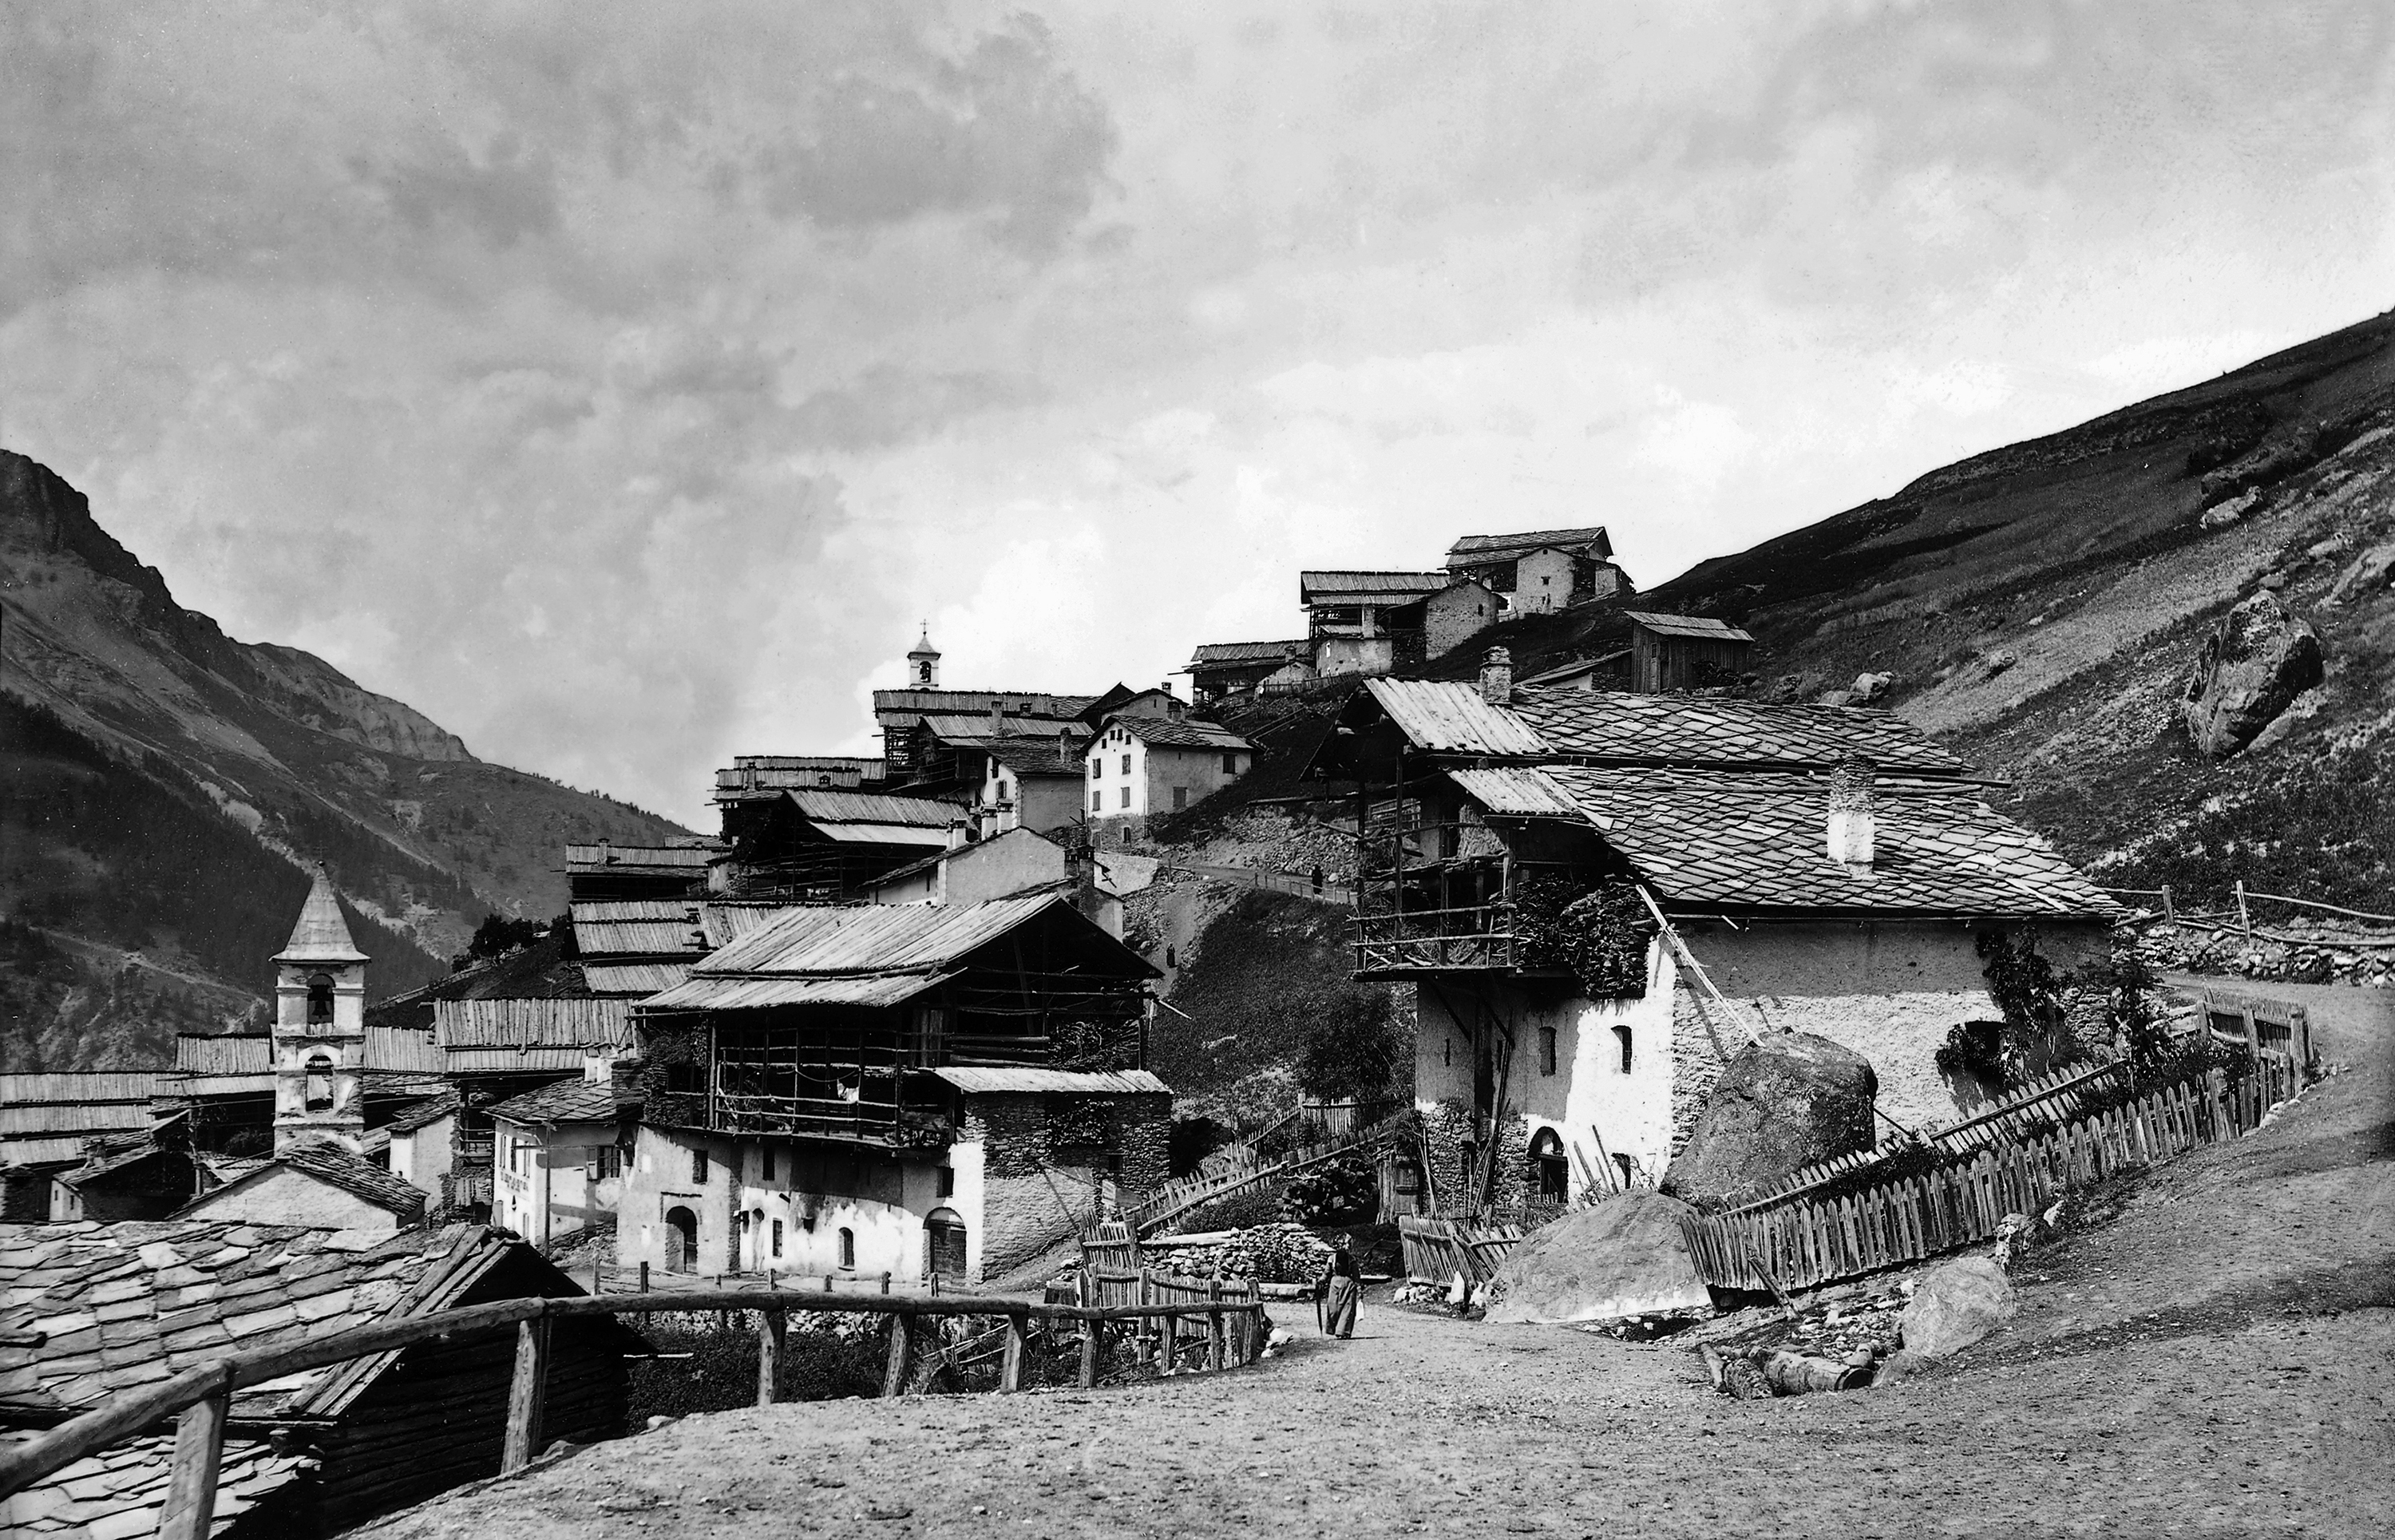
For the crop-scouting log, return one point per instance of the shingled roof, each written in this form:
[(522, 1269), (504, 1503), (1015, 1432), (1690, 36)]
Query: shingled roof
[(1475, 549), (1712, 839), (329, 1163), (1165, 732), (568, 1101), (88, 1310), (320, 935), (1225, 654)]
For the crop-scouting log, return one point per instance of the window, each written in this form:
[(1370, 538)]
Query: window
[(1126, 796), (1447, 1051), (1554, 1168), (847, 1247), (318, 1091), (1097, 767), (1097, 802), (1546, 1050), (777, 1237), (319, 1000), (1621, 1037), (698, 1165), (1230, 765), (606, 1163), (948, 1181), (765, 1169), (1126, 759), (1546, 582), (1180, 798)]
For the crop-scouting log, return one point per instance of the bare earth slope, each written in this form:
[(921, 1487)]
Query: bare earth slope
[(2214, 1389), (160, 784)]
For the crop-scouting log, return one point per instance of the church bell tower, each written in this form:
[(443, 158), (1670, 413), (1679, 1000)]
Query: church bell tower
[(923, 663), (320, 1027)]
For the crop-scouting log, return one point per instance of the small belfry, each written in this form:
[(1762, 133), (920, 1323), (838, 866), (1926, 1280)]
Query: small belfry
[(923, 663), (319, 1037)]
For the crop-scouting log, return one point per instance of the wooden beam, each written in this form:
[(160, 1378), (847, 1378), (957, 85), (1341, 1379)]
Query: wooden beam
[(199, 1450), (902, 1335), (524, 1395), (1018, 1334), (771, 1326)]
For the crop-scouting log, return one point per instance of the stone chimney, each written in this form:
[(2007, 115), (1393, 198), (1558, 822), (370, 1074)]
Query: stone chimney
[(1065, 756), (1854, 824), (998, 719), (1497, 677)]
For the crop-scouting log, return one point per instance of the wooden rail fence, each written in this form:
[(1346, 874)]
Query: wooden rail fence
[(1790, 1244), (1178, 1197), (200, 1400)]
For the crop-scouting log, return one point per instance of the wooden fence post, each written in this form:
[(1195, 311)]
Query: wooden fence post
[(644, 1278), (1214, 1323), (902, 1338), (199, 1451), (1089, 1333), (1018, 1332), (524, 1395), (771, 1326), (2245, 915), (2170, 914)]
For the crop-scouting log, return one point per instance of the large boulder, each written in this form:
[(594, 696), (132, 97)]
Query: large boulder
[(1792, 1100), (1625, 1256), (1956, 1305), (2253, 667)]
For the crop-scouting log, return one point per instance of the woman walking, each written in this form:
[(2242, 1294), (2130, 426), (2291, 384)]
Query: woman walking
[(1341, 1288)]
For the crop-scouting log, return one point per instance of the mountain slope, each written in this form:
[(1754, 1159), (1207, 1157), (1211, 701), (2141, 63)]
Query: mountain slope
[(161, 786)]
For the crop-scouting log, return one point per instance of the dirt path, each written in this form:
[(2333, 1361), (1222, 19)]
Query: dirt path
[(2215, 1362)]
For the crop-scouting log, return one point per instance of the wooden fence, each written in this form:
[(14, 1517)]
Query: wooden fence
[(1438, 1249), (200, 1400), (1790, 1243)]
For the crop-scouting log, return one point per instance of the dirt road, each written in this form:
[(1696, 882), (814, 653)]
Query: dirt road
[(2215, 1361)]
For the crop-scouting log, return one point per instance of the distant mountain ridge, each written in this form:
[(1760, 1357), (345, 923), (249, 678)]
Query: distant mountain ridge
[(162, 786)]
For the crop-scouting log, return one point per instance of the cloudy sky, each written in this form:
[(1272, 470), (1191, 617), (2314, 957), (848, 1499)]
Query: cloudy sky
[(621, 384)]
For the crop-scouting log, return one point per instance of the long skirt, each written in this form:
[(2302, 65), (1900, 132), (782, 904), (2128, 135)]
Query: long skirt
[(1339, 1308)]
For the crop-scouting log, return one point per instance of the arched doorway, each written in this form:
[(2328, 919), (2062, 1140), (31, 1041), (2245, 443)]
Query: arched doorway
[(1553, 1168), (944, 1244), (681, 1240)]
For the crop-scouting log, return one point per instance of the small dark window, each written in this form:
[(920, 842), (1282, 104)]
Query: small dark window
[(1447, 1052), (1621, 1037), (606, 1163), (777, 1237), (1230, 765), (319, 1089), (765, 1169), (1126, 759), (682, 1078), (847, 1247), (1126, 796), (1180, 798), (1554, 1168), (1097, 802), (948, 1182), (698, 1165), (319, 1000), (1546, 1050)]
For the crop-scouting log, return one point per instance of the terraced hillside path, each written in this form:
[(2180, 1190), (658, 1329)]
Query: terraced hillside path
[(2214, 1363)]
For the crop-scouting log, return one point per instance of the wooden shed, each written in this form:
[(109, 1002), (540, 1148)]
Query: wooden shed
[(92, 1310), (1671, 652)]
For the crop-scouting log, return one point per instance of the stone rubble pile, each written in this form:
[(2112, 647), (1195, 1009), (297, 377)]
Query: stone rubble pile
[(1282, 1253), (2317, 958)]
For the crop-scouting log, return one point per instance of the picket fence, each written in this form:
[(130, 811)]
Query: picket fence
[(1789, 1243), (1438, 1249)]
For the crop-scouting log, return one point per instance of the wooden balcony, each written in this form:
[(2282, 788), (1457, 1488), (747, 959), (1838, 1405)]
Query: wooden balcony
[(1475, 940)]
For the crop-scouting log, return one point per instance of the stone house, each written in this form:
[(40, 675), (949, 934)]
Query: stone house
[(95, 1310), (1031, 783), (996, 868), (557, 1155), (318, 1184), (1814, 895), (1376, 623), (1542, 570), (909, 1089), (1140, 765), (47, 1117), (1226, 672), (146, 1173)]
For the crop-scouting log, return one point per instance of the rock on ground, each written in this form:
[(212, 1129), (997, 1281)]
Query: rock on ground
[(1787, 1102), (2253, 668), (1624, 1256), (1956, 1306)]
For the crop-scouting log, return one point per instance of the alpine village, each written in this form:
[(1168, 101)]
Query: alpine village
[(1899, 958)]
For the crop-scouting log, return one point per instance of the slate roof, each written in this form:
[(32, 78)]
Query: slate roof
[(118, 1492), (320, 935), (1674, 729), (1446, 716), (432, 1109), (567, 1101), (88, 1310), (1476, 550), (331, 1164), (1713, 839), (1703, 626), (1234, 653), (1165, 732), (1032, 755)]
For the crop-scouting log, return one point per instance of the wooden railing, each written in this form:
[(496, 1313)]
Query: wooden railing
[(201, 1399), (1788, 1243), (1178, 1197), (1478, 936)]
